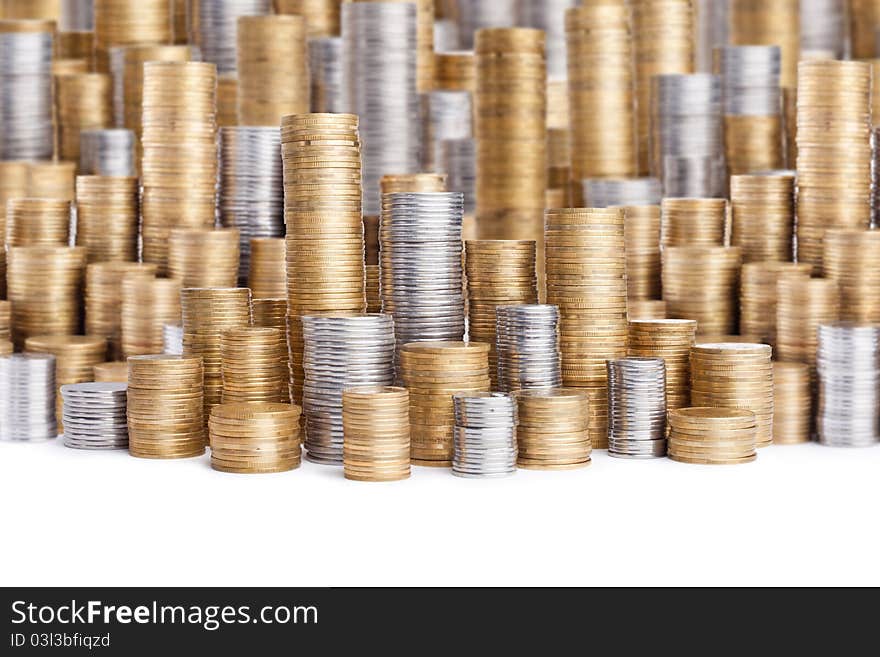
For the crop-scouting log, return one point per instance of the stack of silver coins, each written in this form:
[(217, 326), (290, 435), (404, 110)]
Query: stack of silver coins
[(27, 397), (325, 69), (77, 16), (637, 407), (445, 35), (26, 96), (610, 192), (485, 435), (251, 191), (711, 17), (340, 351), (117, 76), (94, 415), (218, 29), (459, 163), (445, 115), (548, 15), (527, 341), (172, 339), (475, 15), (848, 368), (107, 152), (750, 80), (823, 28), (379, 85), (420, 272), (694, 177)]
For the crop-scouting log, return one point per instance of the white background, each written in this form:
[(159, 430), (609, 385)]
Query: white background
[(802, 514)]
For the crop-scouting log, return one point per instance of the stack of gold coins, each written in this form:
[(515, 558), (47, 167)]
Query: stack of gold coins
[(37, 221), (273, 69), (5, 320), (753, 143), (254, 365), (693, 221), (645, 309), (45, 286), (180, 153), (559, 154), (111, 372), (720, 337), (712, 436), (107, 214), (52, 180), (499, 273), (267, 276), (134, 58), (14, 180), (255, 438), (762, 216), (802, 304), (757, 296), (455, 71), (61, 67), (851, 258), (769, 23), (322, 16), (204, 257), (147, 305), (129, 22), (104, 299), (553, 431), (165, 407), (374, 300), (701, 282), (433, 372), (376, 434), (789, 119), (179, 21), (834, 152), (641, 230), (735, 375), (864, 17), (75, 356), (227, 100), (792, 403), (75, 44), (270, 313), (671, 340), (82, 102)]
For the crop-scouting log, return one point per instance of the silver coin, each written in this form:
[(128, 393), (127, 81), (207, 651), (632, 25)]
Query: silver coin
[(218, 29)]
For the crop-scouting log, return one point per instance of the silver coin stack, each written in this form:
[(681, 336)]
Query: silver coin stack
[(608, 192), (548, 15), (325, 69), (117, 77), (848, 368), (339, 352), (379, 85), (485, 435), (77, 16), (711, 18), (251, 192), (446, 115), (475, 15), (459, 163), (823, 28), (445, 35), (94, 415), (218, 29), (172, 339), (750, 80), (637, 407), (420, 272), (26, 96), (107, 152), (27, 397), (527, 342), (694, 177)]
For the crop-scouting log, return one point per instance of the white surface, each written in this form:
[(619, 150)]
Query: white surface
[(798, 515)]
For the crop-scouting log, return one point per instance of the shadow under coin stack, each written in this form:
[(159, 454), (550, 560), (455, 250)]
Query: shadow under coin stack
[(148, 304), (758, 293), (375, 424), (254, 366), (693, 221), (851, 258), (762, 216), (792, 403), (671, 340), (107, 214), (637, 408), (485, 435), (94, 415), (267, 274), (528, 347), (203, 257), (255, 438), (37, 221), (712, 436), (104, 299), (27, 397), (553, 429), (107, 153)]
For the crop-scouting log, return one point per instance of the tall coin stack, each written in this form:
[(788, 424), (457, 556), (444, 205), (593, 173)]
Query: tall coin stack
[(553, 429), (608, 192), (864, 16), (267, 274), (851, 258), (203, 257), (637, 408), (548, 15), (824, 28), (104, 300), (671, 340), (254, 365), (82, 102), (107, 213), (218, 29), (769, 23), (475, 15), (528, 347), (446, 115), (27, 397), (792, 403), (693, 221), (485, 435), (395, 183), (255, 438), (132, 80), (758, 294), (762, 216), (148, 304), (322, 16), (375, 424), (129, 22), (802, 304), (712, 436), (94, 415), (701, 282), (37, 221), (325, 74), (641, 229), (107, 152)]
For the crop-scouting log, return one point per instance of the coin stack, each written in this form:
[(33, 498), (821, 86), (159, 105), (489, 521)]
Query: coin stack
[(375, 422), (792, 403), (172, 339), (104, 299), (527, 346), (76, 15), (45, 286), (455, 71), (671, 340), (132, 78), (851, 258), (424, 42), (560, 186), (254, 365), (875, 173), (270, 313), (5, 320), (27, 397), (548, 15), (37, 222), (374, 298), (52, 179), (823, 27), (82, 102), (474, 15), (553, 429), (111, 372), (834, 152), (107, 212), (446, 114), (180, 153), (13, 184), (485, 435), (864, 17), (395, 184), (762, 215), (267, 275), (218, 29), (227, 100), (340, 351), (322, 16), (711, 26), (789, 120), (203, 257), (116, 69), (165, 406), (325, 73), (94, 415), (107, 152), (693, 221), (608, 192), (701, 283), (75, 44), (637, 408), (758, 294), (459, 158), (129, 22), (433, 372), (148, 304), (645, 309), (586, 278), (769, 23), (802, 304), (712, 436), (255, 438), (641, 232)]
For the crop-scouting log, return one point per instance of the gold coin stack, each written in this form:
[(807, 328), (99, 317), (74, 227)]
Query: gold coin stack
[(762, 216), (663, 43), (31, 9), (254, 365), (864, 17), (180, 153), (769, 23), (641, 231), (693, 221), (789, 119), (75, 356), (322, 16), (757, 296), (45, 287), (851, 258), (227, 100), (165, 407), (270, 313), (735, 375), (107, 215), (111, 372), (82, 102), (701, 283), (455, 71), (792, 402), (204, 257), (645, 309), (69, 67), (802, 304), (148, 304), (134, 58), (127, 23), (104, 299), (5, 321), (671, 340), (52, 180), (37, 222), (76, 44), (712, 436), (376, 433), (586, 278), (322, 210), (499, 273), (834, 152), (374, 300), (14, 178), (433, 372), (267, 276), (273, 69), (753, 143), (255, 438), (553, 430), (179, 21)]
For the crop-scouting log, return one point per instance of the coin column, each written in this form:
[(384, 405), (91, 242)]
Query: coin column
[(712, 436), (559, 181), (27, 397), (52, 180), (693, 221), (81, 102), (586, 278), (802, 304), (549, 16), (203, 257), (75, 45), (607, 192), (792, 403), (641, 230), (769, 23), (637, 408), (218, 29), (851, 258), (107, 213), (255, 438), (5, 321), (94, 415), (528, 347), (104, 300), (267, 276), (671, 340), (129, 22), (325, 73), (762, 216), (553, 429), (864, 19), (148, 305), (37, 221), (485, 435), (322, 16), (227, 100), (132, 79), (375, 423), (254, 365), (758, 294), (712, 25), (446, 115), (111, 372), (475, 15), (107, 152)]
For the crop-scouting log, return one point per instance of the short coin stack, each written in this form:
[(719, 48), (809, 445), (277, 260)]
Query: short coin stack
[(637, 407), (107, 214), (255, 438), (641, 231), (792, 403), (851, 258), (700, 282), (485, 435), (712, 436), (553, 429), (762, 215), (107, 152), (254, 365), (527, 345), (693, 221), (104, 299), (375, 422), (94, 415), (267, 276), (203, 257), (671, 340), (758, 293), (37, 222), (148, 304), (27, 397)]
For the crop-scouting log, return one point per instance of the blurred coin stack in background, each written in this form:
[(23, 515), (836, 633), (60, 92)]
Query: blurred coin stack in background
[(325, 73), (82, 102), (474, 15), (851, 258), (548, 15), (76, 15), (148, 304), (762, 216), (823, 28), (267, 274), (864, 16), (111, 372), (693, 221), (129, 22), (104, 299), (107, 152), (322, 16), (671, 340), (254, 365), (485, 435), (769, 23), (218, 29), (608, 192), (792, 403), (27, 397), (552, 433), (172, 339), (711, 31), (802, 304), (559, 181), (203, 257), (52, 179), (107, 215), (375, 422), (132, 78), (758, 296), (37, 221), (641, 229)]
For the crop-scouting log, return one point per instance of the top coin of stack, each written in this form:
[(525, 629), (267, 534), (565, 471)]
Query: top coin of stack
[(553, 429), (375, 424)]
